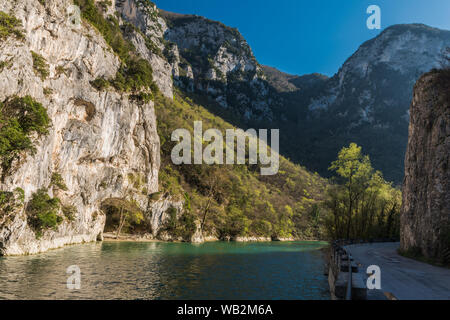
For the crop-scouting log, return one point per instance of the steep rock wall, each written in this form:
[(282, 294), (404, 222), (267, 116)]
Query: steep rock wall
[(96, 140), (425, 216)]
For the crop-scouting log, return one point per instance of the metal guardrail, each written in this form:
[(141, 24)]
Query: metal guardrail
[(338, 251), (348, 295)]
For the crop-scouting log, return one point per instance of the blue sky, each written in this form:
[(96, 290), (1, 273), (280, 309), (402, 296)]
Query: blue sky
[(299, 36)]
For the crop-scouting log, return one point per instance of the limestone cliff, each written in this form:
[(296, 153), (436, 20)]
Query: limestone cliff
[(96, 141), (425, 217), (147, 35), (215, 60)]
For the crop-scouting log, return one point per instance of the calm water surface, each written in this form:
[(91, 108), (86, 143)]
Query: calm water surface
[(126, 270)]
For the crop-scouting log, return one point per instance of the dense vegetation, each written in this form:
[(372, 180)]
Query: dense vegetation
[(10, 201), (232, 201), (10, 26), (123, 215), (135, 73), (43, 212), (58, 182), (20, 117), (40, 66), (363, 205)]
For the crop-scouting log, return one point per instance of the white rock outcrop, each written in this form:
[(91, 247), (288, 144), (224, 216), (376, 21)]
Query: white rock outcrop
[(96, 140)]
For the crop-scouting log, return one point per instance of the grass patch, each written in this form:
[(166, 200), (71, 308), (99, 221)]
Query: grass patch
[(109, 28), (19, 118), (132, 77), (415, 253), (58, 182), (40, 66), (10, 26)]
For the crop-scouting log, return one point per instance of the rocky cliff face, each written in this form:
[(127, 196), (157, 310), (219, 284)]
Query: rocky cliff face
[(148, 38), (97, 139), (425, 216), (200, 55), (217, 61), (368, 99)]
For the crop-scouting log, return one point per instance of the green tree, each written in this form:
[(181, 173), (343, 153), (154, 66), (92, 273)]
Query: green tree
[(43, 212), (129, 212), (20, 117), (284, 226), (363, 204), (355, 170)]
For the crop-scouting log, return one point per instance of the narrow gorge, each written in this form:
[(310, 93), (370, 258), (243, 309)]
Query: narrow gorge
[(79, 81), (92, 90)]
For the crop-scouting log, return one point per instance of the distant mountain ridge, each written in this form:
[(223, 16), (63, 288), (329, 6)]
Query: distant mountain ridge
[(284, 82), (366, 101)]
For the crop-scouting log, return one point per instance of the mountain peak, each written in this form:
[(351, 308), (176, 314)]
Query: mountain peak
[(413, 27), (178, 20), (285, 82)]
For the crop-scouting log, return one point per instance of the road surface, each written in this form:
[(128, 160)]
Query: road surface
[(405, 278)]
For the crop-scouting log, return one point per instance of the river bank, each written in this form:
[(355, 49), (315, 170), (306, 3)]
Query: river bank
[(149, 238), (111, 237)]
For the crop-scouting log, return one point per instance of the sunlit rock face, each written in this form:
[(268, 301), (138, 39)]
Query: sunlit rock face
[(425, 216), (144, 16), (216, 61), (97, 139)]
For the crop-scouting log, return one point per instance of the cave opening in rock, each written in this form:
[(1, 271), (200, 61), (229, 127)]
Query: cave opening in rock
[(124, 217)]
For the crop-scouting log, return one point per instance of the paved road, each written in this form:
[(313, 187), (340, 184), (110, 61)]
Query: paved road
[(405, 278)]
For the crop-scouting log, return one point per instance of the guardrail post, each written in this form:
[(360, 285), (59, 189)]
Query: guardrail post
[(348, 296)]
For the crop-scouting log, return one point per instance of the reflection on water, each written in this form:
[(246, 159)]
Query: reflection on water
[(128, 270)]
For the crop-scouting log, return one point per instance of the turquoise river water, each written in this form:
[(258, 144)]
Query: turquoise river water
[(153, 270)]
